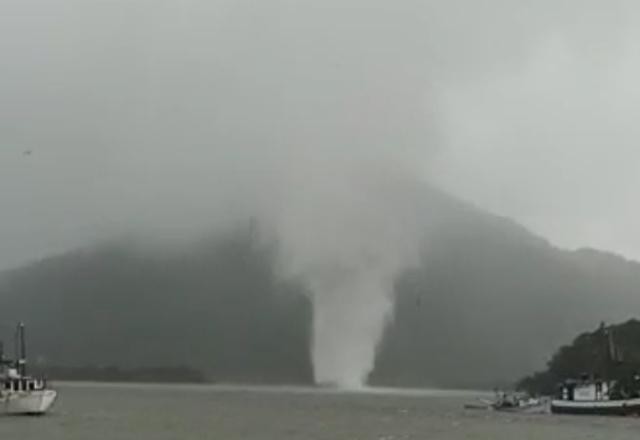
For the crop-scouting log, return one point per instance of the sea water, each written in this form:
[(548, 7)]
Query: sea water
[(88, 411)]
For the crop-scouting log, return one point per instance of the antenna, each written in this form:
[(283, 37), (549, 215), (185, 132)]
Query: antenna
[(21, 350), (16, 353)]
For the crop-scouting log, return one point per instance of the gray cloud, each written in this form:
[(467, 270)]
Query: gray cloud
[(551, 139), (145, 115)]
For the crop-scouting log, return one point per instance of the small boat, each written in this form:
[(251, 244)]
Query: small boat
[(19, 392), (511, 403)]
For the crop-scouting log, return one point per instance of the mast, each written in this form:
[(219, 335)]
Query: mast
[(611, 346), (612, 353), (22, 355)]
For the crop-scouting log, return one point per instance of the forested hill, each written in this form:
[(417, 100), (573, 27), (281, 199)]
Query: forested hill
[(609, 352), (487, 305)]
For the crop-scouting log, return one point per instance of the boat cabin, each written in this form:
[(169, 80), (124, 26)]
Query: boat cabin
[(585, 391), (23, 384)]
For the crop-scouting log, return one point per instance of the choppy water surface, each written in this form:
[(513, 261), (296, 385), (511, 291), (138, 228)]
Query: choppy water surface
[(157, 412)]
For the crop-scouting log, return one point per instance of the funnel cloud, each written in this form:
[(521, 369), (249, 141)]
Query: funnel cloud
[(350, 238)]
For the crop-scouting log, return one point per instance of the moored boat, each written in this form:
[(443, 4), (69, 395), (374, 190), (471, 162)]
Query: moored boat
[(511, 402), (19, 392), (615, 391), (595, 398)]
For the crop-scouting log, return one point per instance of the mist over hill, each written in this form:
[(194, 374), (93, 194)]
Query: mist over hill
[(218, 307), (486, 305), (169, 123)]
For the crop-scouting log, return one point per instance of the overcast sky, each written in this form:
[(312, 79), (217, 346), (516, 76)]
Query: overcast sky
[(161, 117)]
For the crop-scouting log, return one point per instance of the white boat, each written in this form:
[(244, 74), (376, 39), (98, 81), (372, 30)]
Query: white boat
[(593, 398), (590, 396), (19, 392)]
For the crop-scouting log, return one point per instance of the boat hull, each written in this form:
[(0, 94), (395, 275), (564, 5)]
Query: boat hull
[(603, 407), (28, 403)]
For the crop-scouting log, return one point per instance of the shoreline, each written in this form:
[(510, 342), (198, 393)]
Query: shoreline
[(267, 388)]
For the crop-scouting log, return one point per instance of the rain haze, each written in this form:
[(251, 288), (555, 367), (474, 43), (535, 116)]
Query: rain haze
[(174, 114), (171, 120)]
